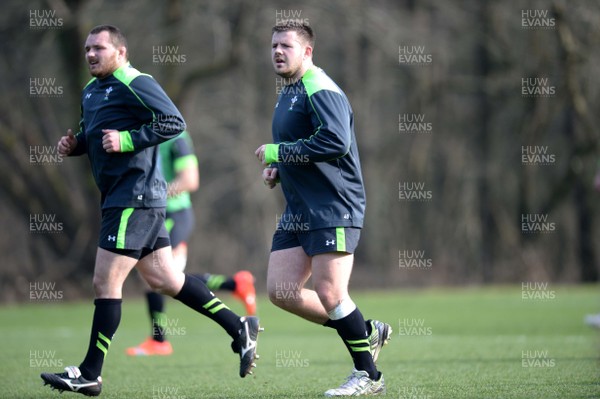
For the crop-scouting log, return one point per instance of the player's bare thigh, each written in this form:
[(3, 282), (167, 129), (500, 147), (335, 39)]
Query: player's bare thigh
[(331, 275), (110, 272), (288, 270)]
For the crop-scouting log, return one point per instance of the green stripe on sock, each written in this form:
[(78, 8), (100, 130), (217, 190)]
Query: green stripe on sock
[(103, 338), (210, 303), (123, 227), (217, 308), (340, 238), (358, 341), (215, 305), (359, 345), (215, 281), (99, 345), (359, 349), (160, 319)]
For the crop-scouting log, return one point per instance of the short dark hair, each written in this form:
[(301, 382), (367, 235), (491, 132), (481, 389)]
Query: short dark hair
[(302, 29), (116, 36)]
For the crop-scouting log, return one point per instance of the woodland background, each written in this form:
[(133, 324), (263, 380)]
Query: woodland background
[(478, 57)]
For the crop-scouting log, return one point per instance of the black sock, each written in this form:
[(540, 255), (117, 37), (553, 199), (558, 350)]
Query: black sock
[(330, 323), (352, 330), (107, 316), (156, 305), (197, 296), (217, 281)]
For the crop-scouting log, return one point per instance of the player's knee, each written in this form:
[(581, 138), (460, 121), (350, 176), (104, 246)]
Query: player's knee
[(157, 284), (154, 283), (163, 287), (166, 285), (328, 294), (100, 286), (281, 297), (273, 297)]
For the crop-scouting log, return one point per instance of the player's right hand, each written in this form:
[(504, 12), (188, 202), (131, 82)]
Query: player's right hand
[(67, 143)]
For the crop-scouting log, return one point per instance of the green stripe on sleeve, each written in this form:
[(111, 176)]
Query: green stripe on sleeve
[(185, 162), (125, 141), (340, 238), (123, 227), (271, 153)]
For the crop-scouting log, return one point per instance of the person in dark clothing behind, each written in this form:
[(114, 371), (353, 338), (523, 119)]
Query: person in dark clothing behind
[(179, 166)]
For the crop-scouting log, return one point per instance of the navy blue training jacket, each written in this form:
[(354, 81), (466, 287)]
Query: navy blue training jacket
[(134, 104), (316, 154)]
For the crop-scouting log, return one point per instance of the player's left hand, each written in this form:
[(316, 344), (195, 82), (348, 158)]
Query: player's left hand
[(111, 140), (260, 153), (270, 178)]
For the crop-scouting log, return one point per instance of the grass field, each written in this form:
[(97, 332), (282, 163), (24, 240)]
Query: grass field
[(447, 343)]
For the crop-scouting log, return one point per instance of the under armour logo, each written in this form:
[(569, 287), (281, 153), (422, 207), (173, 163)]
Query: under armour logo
[(329, 242), (112, 238)]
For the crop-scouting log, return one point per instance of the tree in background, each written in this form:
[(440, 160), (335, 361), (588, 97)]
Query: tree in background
[(441, 116)]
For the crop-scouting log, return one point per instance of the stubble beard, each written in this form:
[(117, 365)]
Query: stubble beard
[(106, 69)]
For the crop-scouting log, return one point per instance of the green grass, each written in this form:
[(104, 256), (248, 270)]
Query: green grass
[(471, 344)]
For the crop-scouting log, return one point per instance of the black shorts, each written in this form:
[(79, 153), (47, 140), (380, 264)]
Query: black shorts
[(134, 232), (180, 225), (320, 241)]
